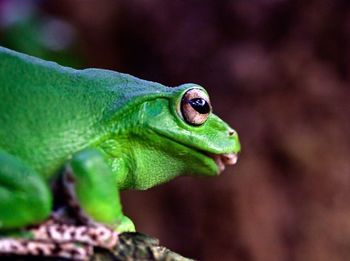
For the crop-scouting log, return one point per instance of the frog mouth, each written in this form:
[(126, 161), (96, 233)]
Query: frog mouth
[(220, 160), (224, 159)]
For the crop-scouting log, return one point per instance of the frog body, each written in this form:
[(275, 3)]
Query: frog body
[(112, 131)]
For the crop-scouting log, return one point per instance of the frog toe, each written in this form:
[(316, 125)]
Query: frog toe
[(125, 225)]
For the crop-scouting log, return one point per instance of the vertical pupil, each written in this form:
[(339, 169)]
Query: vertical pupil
[(200, 105)]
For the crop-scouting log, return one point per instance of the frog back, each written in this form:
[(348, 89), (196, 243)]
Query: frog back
[(48, 112)]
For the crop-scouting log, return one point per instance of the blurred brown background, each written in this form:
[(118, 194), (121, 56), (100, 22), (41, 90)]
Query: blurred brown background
[(276, 70)]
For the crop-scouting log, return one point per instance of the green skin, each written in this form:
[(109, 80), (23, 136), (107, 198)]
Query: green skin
[(112, 130)]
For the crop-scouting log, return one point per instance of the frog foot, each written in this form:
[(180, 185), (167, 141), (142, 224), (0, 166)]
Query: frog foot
[(124, 225)]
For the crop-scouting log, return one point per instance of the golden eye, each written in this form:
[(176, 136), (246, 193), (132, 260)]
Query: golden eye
[(195, 107)]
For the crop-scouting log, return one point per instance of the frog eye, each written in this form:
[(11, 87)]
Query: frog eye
[(195, 107)]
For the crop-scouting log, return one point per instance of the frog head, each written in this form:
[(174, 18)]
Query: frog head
[(180, 136)]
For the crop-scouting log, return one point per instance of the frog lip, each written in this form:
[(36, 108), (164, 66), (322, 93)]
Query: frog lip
[(224, 159)]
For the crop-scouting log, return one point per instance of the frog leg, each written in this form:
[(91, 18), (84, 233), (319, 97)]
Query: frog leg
[(25, 198), (93, 190)]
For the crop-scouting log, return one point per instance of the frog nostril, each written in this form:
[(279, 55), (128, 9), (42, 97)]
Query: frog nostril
[(231, 132)]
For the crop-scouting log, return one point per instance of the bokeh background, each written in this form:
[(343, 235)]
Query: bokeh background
[(276, 70)]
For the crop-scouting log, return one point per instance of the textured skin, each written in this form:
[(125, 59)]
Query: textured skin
[(112, 130)]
